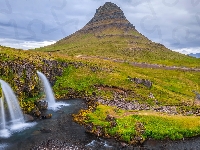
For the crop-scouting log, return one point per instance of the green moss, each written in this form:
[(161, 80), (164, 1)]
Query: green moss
[(155, 126), (81, 80), (170, 87)]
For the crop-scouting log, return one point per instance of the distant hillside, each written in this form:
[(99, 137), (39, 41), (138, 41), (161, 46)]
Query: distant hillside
[(110, 35), (197, 55)]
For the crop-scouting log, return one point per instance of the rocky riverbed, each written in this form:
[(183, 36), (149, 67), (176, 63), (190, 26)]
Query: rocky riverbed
[(135, 105)]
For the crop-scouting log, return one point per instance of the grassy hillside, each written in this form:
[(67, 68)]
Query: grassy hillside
[(118, 44), (96, 78), (170, 87)]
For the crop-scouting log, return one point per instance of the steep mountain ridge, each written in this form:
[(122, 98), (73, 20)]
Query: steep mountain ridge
[(108, 15)]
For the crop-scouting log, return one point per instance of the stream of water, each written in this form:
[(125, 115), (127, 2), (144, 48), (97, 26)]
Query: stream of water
[(60, 132)]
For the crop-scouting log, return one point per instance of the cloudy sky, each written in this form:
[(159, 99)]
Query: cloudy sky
[(34, 23)]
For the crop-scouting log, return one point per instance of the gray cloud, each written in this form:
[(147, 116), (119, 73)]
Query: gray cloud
[(174, 23)]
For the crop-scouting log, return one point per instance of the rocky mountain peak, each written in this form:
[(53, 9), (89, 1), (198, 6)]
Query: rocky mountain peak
[(108, 15), (108, 11)]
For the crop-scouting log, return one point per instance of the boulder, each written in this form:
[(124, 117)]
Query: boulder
[(110, 118), (198, 96), (145, 82), (28, 118), (42, 104), (138, 80), (89, 127), (36, 112), (45, 116)]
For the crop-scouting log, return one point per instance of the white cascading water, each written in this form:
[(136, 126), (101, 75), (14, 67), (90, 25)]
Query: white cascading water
[(15, 121), (52, 104), (3, 119), (13, 104), (47, 89), (3, 131)]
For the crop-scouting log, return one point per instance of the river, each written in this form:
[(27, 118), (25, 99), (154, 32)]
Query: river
[(60, 132)]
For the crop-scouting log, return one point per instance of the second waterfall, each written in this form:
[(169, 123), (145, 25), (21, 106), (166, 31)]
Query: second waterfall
[(52, 104)]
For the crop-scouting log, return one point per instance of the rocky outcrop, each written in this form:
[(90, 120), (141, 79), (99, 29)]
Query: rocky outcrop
[(36, 112), (122, 104), (21, 74), (42, 104), (106, 16), (197, 95), (28, 118), (140, 129), (197, 98), (111, 120), (145, 82), (39, 110)]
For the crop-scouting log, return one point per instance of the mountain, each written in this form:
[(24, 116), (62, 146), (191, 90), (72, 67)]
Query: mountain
[(127, 99), (197, 55), (110, 35)]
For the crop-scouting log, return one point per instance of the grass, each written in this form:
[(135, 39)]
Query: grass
[(170, 87), (97, 78), (157, 126), (103, 78), (114, 43)]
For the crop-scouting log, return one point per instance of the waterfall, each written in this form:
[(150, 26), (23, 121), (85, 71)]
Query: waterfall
[(13, 104), (14, 119), (3, 119), (47, 89), (52, 104)]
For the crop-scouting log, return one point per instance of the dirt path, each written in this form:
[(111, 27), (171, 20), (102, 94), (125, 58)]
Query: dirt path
[(144, 65)]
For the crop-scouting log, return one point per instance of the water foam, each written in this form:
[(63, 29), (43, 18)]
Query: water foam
[(5, 133), (57, 106)]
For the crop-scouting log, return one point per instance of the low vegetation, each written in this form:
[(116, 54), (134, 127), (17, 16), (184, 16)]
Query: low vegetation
[(95, 78), (170, 87), (114, 43), (137, 126), (125, 102)]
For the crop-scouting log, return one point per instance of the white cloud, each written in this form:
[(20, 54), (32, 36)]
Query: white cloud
[(24, 44), (193, 50)]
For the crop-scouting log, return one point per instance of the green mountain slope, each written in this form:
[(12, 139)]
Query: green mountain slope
[(110, 35)]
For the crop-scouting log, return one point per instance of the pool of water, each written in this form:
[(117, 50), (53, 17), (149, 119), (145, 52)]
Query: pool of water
[(60, 132)]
